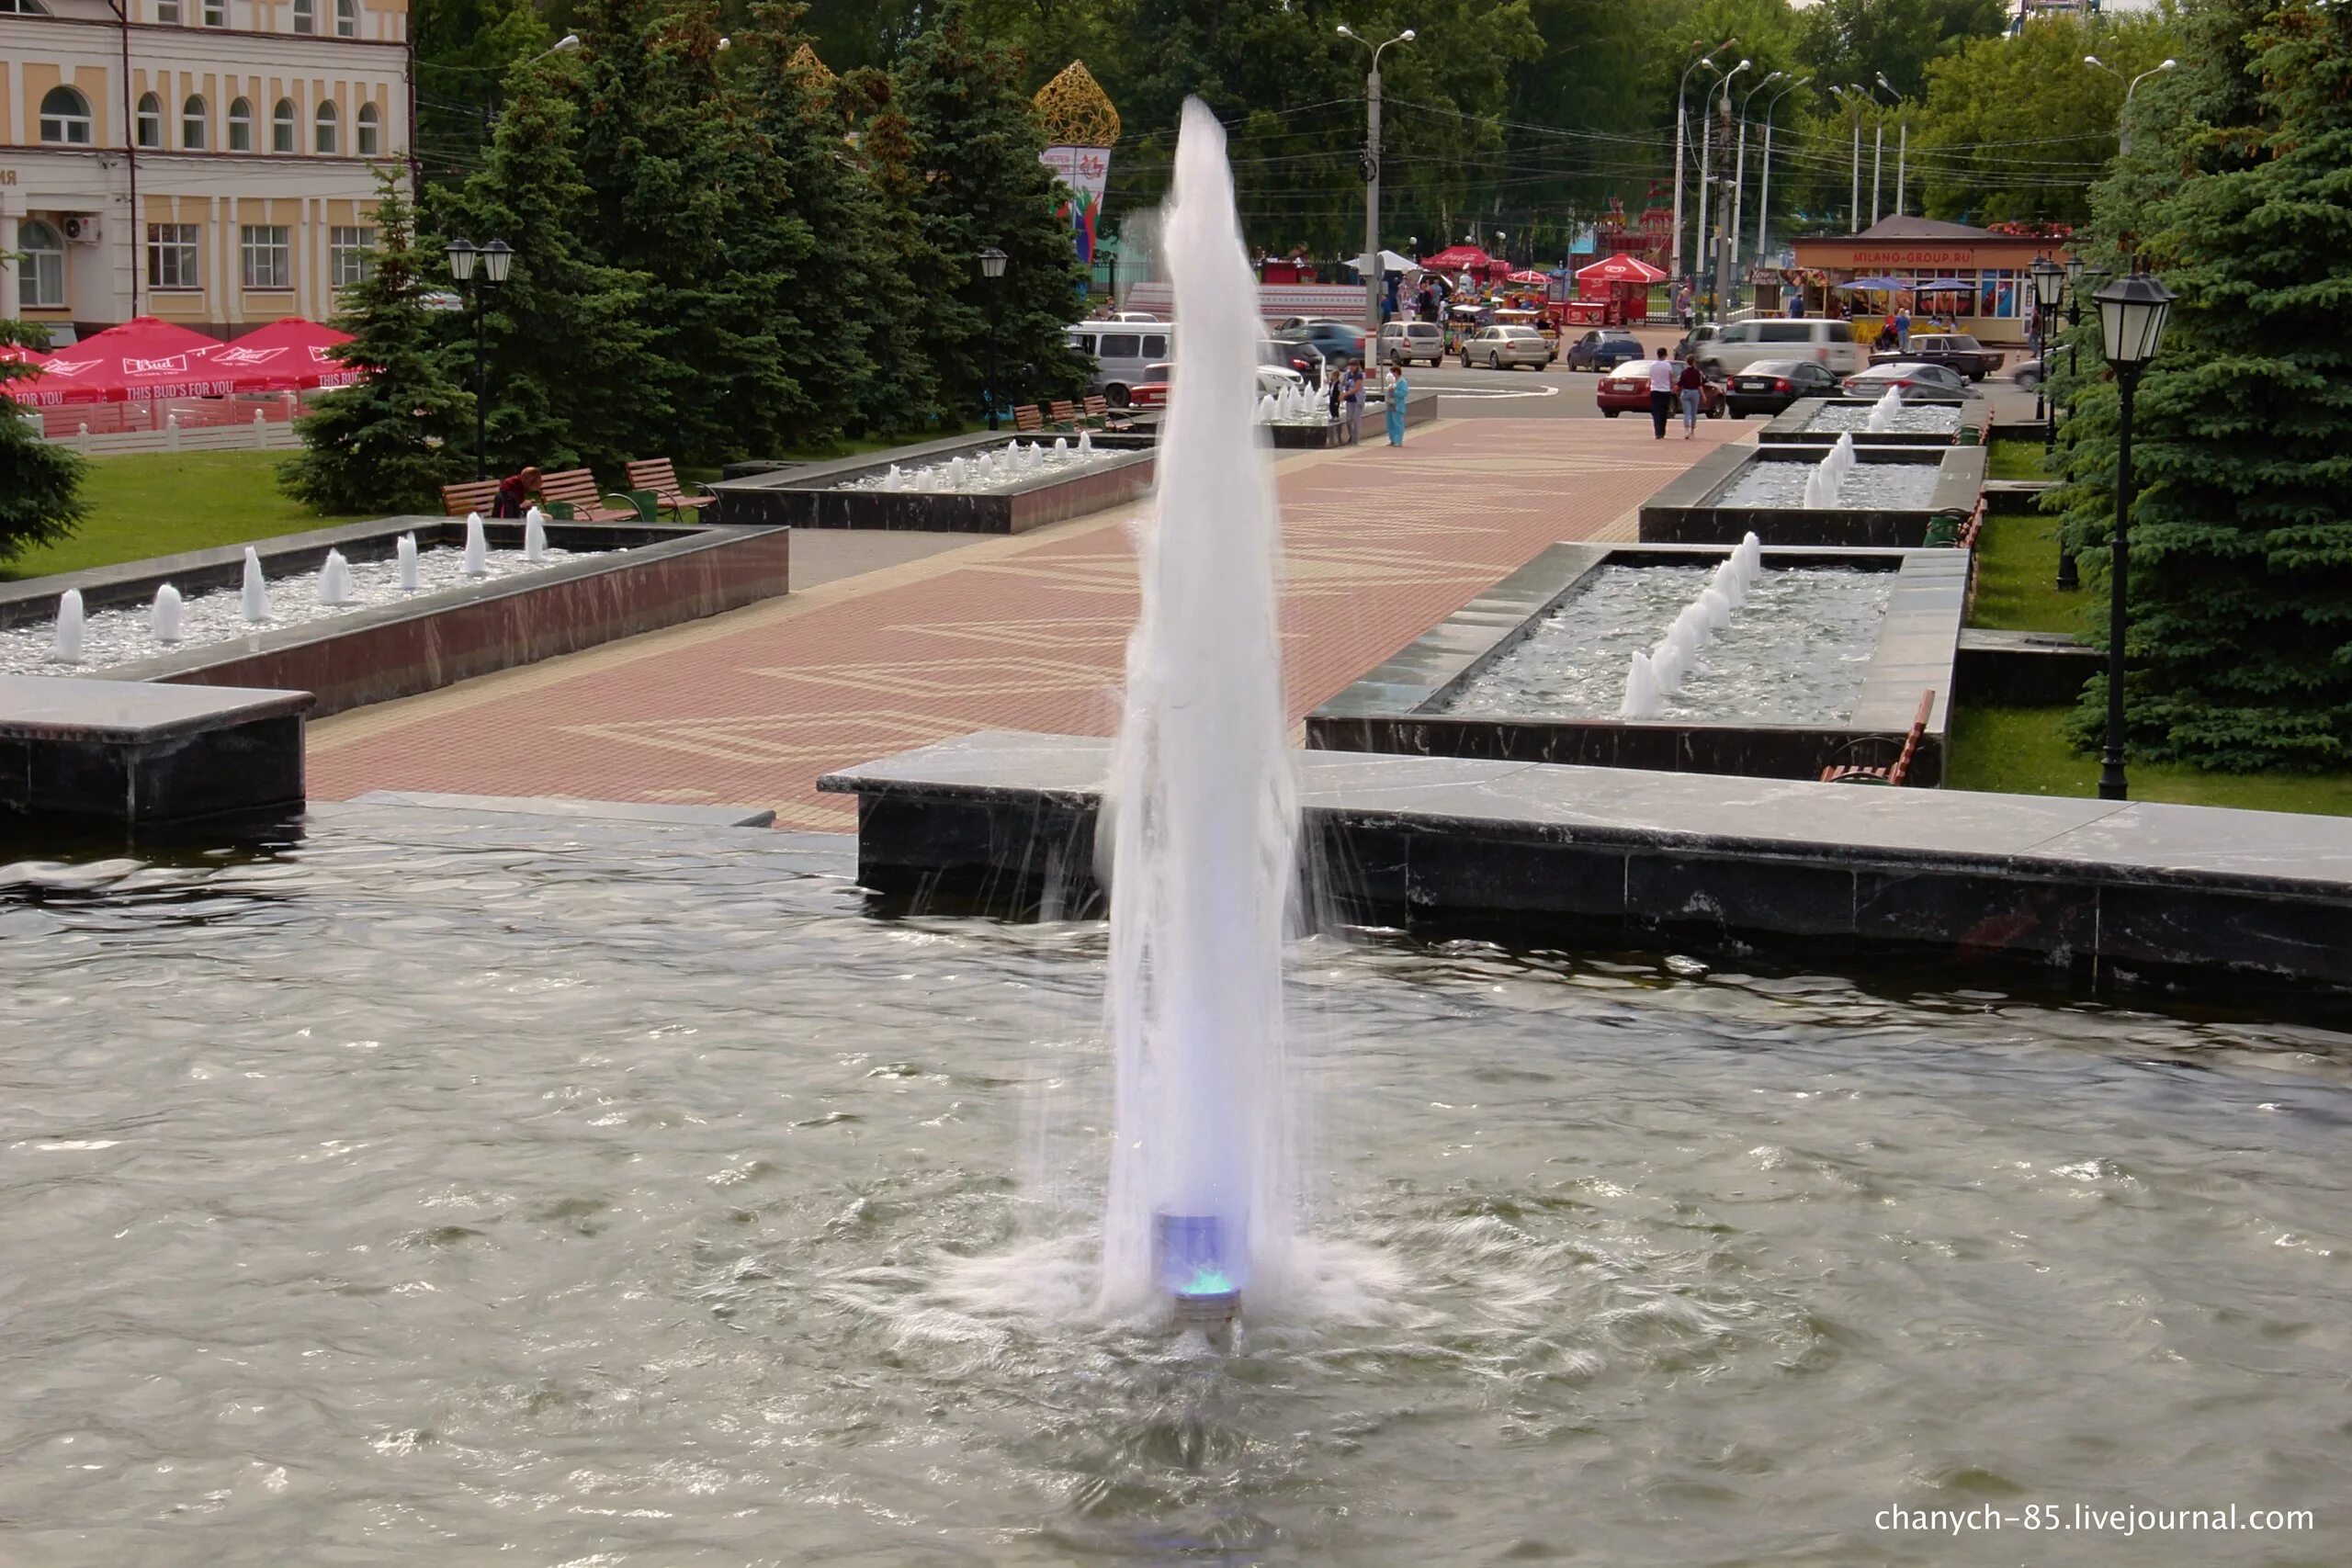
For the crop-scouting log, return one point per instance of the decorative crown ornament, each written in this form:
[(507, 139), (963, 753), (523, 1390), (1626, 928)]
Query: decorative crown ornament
[(1076, 111)]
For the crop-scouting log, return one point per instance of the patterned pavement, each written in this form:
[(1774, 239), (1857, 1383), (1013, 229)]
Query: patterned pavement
[(1021, 633)]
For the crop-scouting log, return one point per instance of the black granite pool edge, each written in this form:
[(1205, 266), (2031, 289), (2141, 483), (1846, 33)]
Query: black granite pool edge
[(1684, 512), (2194, 898), (1391, 709)]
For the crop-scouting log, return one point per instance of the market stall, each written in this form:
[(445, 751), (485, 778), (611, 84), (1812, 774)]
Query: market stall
[(1621, 286)]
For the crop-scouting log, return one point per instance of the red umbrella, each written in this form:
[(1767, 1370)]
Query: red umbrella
[(140, 361), (1529, 276), (1465, 258), (1621, 268), (288, 356)]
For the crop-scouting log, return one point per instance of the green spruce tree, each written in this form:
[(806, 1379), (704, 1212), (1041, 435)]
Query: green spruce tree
[(41, 485), (573, 378), (886, 149), (2241, 591), (688, 194), (974, 143), (389, 441)]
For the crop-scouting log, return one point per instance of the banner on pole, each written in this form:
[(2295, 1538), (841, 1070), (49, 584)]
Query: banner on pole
[(1084, 172)]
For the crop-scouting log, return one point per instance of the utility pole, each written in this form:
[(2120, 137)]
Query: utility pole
[(1707, 261), (1850, 96), (1373, 276), (1740, 166), (1764, 194), (1682, 154)]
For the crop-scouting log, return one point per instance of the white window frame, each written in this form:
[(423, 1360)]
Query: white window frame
[(267, 254), (285, 127), (306, 17), (40, 265), (167, 13), (351, 255), (241, 125), (74, 128), (147, 120), (368, 131), (326, 130), (195, 123), (346, 18), (174, 253), (216, 13)]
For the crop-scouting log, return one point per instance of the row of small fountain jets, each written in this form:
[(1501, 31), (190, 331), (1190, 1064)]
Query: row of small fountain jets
[(1296, 403), (335, 585), (1822, 485), (988, 468), (1659, 673)]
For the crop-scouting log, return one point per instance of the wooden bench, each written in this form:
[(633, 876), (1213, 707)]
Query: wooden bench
[(1097, 409), (660, 476), (1065, 413), (476, 495), (1893, 776), (1027, 417), (576, 487)]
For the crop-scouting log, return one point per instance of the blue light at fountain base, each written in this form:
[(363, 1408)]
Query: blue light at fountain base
[(1189, 1259)]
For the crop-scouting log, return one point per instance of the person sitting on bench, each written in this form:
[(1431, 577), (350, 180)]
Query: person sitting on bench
[(516, 492)]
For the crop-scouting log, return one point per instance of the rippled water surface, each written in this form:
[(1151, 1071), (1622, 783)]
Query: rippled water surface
[(1919, 419), (1894, 487), (503, 1191), (1796, 652)]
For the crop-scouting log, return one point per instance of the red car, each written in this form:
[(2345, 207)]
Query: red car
[(1151, 392), (1628, 387)]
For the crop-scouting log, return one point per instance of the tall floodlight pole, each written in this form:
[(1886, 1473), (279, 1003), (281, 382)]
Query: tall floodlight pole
[(1902, 151), (2123, 116), (1372, 278), (1878, 140), (1764, 194), (1707, 168), (1740, 166), (1850, 96), (1681, 136)]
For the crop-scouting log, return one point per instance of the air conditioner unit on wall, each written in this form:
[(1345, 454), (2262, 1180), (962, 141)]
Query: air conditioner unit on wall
[(81, 228)]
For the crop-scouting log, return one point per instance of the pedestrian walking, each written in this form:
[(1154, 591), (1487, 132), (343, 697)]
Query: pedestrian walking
[(1662, 389), (1692, 384), (1903, 327), (1398, 389)]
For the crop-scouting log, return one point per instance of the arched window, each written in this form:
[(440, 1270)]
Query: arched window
[(326, 128), (306, 16), (194, 131), (241, 125), (40, 277), (281, 126), (367, 126), (65, 118), (151, 122), (346, 18), (22, 9)]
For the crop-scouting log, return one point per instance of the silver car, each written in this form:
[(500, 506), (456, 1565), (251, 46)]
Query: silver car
[(1498, 348)]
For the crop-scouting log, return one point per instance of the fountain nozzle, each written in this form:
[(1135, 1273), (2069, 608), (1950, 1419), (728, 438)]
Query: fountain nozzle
[(1190, 1254)]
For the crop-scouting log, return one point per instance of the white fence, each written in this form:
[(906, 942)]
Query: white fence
[(262, 436)]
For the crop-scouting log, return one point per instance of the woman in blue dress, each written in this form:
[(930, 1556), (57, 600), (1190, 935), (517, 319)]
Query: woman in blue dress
[(1397, 389)]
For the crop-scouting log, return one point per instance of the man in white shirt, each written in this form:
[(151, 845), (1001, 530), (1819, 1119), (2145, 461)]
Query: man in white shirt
[(1661, 393)]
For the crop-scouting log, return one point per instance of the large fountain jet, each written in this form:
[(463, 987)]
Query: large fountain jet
[(1202, 827)]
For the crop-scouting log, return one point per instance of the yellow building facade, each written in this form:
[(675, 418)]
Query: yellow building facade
[(209, 162)]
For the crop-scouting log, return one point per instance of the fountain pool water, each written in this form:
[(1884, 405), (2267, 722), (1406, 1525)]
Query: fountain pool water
[(453, 1189)]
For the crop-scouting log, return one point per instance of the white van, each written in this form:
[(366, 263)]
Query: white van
[(1824, 340), (1121, 351)]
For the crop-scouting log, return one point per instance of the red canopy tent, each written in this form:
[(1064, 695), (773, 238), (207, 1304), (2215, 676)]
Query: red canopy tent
[(1621, 268), (140, 361), (1529, 276), (288, 356), (1456, 259), (1622, 283)]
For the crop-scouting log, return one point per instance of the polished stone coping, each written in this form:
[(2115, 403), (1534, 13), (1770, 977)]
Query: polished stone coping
[(1394, 708), (1686, 509), (567, 806), (77, 748), (2201, 897)]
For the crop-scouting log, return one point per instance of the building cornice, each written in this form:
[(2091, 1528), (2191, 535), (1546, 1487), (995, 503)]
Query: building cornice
[(153, 29)]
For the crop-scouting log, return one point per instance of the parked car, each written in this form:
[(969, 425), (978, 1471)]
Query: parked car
[(1823, 340), (2030, 374), (1337, 340), (1499, 348), (1699, 336), (1954, 350), (1301, 356), (1151, 392), (1404, 343), (1122, 351), (1770, 384), (1604, 349), (1628, 387), (1910, 379)]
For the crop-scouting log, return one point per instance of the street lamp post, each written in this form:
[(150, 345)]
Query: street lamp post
[(2123, 116), (992, 268), (1707, 254), (2132, 312), (480, 268), (1764, 194), (1740, 166), (2049, 283), (1681, 134), (1372, 278), (1850, 95), (2070, 578), (1878, 139)]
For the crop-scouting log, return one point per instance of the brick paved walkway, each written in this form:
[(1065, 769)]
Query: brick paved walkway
[(1022, 633)]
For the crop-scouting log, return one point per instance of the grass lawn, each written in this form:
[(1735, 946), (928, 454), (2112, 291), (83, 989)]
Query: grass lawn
[(2024, 751), (2017, 566), (2013, 457), (158, 503)]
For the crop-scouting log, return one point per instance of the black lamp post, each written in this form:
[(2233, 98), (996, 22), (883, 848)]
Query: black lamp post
[(2049, 282), (494, 259), (2070, 579), (2132, 312), (992, 268)]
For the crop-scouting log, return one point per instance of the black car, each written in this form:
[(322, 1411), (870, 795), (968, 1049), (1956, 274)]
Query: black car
[(1956, 352), (1337, 340), (1604, 349), (1770, 384), (1297, 354)]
